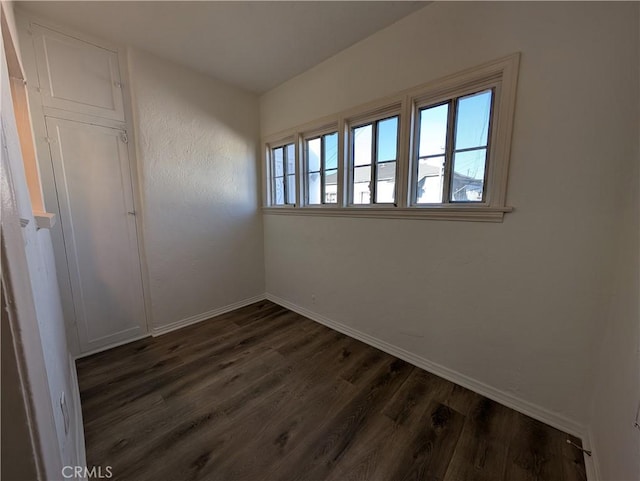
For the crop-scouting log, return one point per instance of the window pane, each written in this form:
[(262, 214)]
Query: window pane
[(386, 182), (362, 145), (291, 159), (361, 182), (433, 130), (472, 120), (278, 191), (314, 188), (387, 139), (331, 151), (430, 180), (313, 155), (291, 189), (331, 186), (277, 162), (467, 180)]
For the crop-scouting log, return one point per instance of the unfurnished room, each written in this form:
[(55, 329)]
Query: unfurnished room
[(320, 240)]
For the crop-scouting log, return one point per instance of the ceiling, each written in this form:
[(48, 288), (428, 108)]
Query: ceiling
[(254, 45)]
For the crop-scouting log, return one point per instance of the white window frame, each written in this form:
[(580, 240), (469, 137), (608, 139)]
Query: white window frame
[(311, 134), (372, 117), (269, 172), (500, 74), (420, 102)]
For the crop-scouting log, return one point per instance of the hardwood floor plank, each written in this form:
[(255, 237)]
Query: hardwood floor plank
[(373, 358), (532, 454), (408, 404), (375, 455), (269, 404), (336, 439), (481, 452), (269, 435), (264, 393), (198, 422)]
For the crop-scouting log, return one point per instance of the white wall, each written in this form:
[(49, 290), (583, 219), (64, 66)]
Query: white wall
[(46, 298), (616, 390), (518, 305), (198, 170)]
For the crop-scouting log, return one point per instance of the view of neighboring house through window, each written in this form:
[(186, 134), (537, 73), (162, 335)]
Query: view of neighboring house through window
[(374, 157), (452, 149), (321, 154), (284, 175), (431, 153)]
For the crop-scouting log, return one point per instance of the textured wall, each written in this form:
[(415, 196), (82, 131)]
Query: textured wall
[(518, 305), (197, 151)]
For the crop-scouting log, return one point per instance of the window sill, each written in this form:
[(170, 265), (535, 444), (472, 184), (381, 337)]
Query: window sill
[(460, 213)]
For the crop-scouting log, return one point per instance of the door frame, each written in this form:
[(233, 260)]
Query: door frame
[(24, 332), (38, 113)]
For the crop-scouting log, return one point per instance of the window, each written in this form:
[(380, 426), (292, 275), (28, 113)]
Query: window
[(452, 149), (437, 151), (373, 161), (283, 168), (321, 167)]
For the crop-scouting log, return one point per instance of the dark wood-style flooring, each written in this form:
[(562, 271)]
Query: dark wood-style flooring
[(263, 393)]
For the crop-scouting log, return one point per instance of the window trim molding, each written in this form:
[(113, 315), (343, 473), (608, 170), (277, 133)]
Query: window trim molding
[(457, 212), (500, 74)]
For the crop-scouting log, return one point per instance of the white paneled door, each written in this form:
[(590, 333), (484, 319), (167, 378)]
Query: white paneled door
[(93, 182)]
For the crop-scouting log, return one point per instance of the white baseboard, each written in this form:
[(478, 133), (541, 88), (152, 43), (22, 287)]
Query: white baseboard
[(78, 432), (111, 346), (520, 405), (160, 330)]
